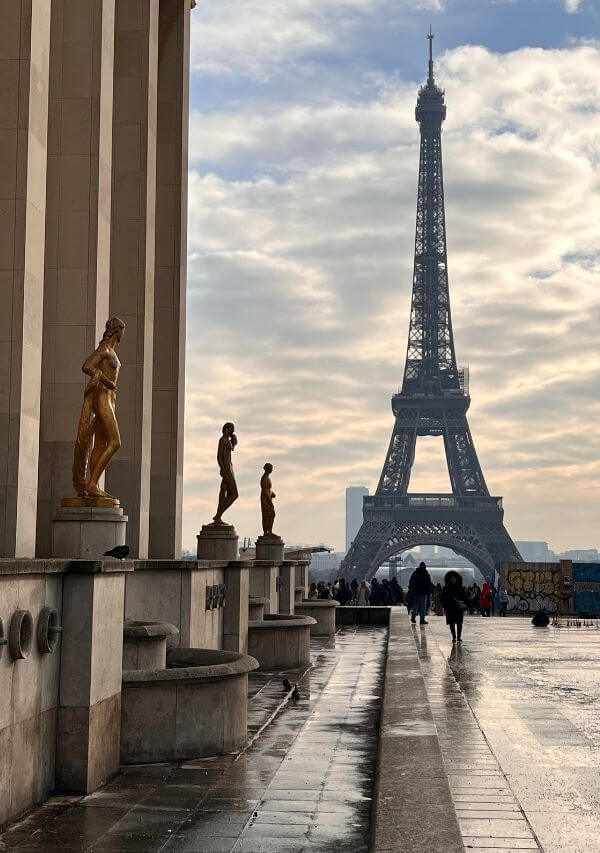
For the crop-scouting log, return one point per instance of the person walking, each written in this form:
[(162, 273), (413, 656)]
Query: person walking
[(397, 592), (421, 586), (503, 596), (377, 593), (363, 594), (313, 592), (354, 588), (455, 602), (485, 600)]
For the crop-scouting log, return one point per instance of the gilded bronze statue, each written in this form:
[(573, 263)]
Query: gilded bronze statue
[(228, 492), (98, 437), (266, 501)]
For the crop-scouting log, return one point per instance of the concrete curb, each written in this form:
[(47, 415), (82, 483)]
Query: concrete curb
[(412, 805)]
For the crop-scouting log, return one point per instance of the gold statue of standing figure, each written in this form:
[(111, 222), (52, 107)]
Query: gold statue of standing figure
[(266, 501), (228, 492), (98, 437)]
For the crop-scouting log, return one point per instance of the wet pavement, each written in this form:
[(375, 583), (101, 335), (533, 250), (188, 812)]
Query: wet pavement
[(304, 783), (516, 710)]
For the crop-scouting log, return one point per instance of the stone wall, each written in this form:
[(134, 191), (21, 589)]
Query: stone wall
[(29, 691)]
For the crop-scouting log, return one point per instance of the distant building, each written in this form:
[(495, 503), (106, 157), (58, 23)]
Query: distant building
[(585, 555), (536, 552), (354, 513), (325, 566)]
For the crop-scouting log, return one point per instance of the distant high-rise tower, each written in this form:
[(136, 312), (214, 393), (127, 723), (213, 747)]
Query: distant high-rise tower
[(433, 401), (354, 514)]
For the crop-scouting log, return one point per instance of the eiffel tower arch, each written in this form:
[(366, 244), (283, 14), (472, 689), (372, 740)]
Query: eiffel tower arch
[(434, 401)]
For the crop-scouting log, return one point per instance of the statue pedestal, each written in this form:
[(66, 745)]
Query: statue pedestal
[(270, 548), (86, 532), (217, 542)]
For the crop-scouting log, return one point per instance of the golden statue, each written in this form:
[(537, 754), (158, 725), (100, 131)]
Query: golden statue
[(266, 501), (228, 492), (98, 437)]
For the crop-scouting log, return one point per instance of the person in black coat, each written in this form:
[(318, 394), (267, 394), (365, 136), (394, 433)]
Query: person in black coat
[(455, 602), (420, 585)]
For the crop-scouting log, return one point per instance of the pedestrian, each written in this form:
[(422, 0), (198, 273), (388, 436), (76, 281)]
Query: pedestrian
[(354, 588), (503, 595), (363, 594), (397, 592), (343, 594), (386, 592), (455, 601), (421, 586), (485, 600), (376, 594), (437, 600), (313, 592), (324, 592)]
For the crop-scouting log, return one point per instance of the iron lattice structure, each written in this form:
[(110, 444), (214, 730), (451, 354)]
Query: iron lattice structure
[(433, 402)]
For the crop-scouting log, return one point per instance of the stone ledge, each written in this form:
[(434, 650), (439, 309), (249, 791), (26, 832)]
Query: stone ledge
[(282, 620), (10, 566), (96, 567), (411, 778)]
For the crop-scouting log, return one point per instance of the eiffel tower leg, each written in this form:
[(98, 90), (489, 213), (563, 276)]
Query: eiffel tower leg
[(362, 552), (464, 469), (395, 475)]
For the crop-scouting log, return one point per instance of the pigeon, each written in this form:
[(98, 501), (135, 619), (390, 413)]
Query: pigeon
[(287, 685), (119, 553), (295, 692)]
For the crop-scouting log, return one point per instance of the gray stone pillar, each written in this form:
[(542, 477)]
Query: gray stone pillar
[(168, 381), (24, 51), (287, 579), (264, 583), (235, 617), (217, 542), (132, 254), (89, 714), (78, 207)]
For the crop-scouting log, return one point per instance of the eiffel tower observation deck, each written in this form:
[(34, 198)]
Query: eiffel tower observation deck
[(434, 401)]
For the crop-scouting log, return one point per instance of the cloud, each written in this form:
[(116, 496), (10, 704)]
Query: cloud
[(254, 39), (301, 238), (572, 5)]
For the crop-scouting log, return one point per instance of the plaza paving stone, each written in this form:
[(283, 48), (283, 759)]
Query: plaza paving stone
[(303, 784), (516, 710)]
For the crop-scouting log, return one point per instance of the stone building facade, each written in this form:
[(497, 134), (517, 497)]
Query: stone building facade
[(93, 221)]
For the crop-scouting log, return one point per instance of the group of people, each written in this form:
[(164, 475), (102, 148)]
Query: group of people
[(358, 593), (452, 599)]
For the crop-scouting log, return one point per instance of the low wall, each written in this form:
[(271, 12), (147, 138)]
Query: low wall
[(362, 615), (586, 588), (29, 688), (411, 779)]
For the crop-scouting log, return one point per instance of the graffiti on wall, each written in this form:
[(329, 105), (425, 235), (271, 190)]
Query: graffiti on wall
[(532, 590)]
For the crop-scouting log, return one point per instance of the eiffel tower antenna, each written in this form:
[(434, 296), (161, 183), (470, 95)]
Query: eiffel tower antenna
[(433, 402), (431, 38)]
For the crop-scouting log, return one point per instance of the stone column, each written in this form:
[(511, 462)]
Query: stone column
[(264, 583), (170, 279), (77, 264), (89, 714), (287, 578), (24, 55), (132, 254), (235, 617)]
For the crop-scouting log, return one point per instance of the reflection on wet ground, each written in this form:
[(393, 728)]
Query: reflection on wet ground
[(303, 784), (516, 708)]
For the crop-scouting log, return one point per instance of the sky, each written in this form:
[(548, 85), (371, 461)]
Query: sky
[(302, 194)]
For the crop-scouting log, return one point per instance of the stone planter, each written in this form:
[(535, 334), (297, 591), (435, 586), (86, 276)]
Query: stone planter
[(194, 708), (280, 641), (323, 613), (145, 644), (256, 608)]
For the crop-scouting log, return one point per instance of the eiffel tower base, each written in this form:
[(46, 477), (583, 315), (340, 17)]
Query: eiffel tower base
[(471, 526)]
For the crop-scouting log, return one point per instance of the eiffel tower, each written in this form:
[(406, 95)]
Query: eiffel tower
[(433, 401)]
